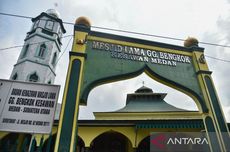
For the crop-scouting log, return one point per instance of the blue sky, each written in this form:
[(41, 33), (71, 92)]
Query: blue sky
[(207, 20)]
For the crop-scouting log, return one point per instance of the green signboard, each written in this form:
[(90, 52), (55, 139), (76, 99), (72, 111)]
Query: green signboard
[(109, 61)]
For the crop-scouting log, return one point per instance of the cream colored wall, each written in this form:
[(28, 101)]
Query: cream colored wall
[(135, 136), (89, 133), (3, 134), (147, 115)]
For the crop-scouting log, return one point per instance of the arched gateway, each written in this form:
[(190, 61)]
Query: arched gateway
[(98, 58)]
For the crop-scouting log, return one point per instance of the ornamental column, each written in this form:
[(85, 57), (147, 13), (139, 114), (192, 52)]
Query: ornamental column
[(214, 121), (67, 128)]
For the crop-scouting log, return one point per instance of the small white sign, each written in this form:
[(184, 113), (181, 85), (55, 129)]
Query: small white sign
[(27, 107)]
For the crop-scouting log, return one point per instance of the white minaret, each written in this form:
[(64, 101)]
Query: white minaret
[(38, 58)]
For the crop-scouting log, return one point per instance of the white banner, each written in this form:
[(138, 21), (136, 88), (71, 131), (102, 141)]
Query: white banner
[(27, 107)]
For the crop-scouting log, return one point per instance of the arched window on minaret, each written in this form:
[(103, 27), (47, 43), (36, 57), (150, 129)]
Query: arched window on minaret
[(36, 24), (33, 77), (25, 51), (49, 82), (15, 76), (42, 50), (54, 59), (49, 25)]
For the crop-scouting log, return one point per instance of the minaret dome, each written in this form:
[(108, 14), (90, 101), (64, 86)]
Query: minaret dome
[(53, 13)]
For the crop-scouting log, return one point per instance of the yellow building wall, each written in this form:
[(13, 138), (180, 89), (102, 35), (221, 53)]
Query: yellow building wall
[(135, 136), (89, 133)]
